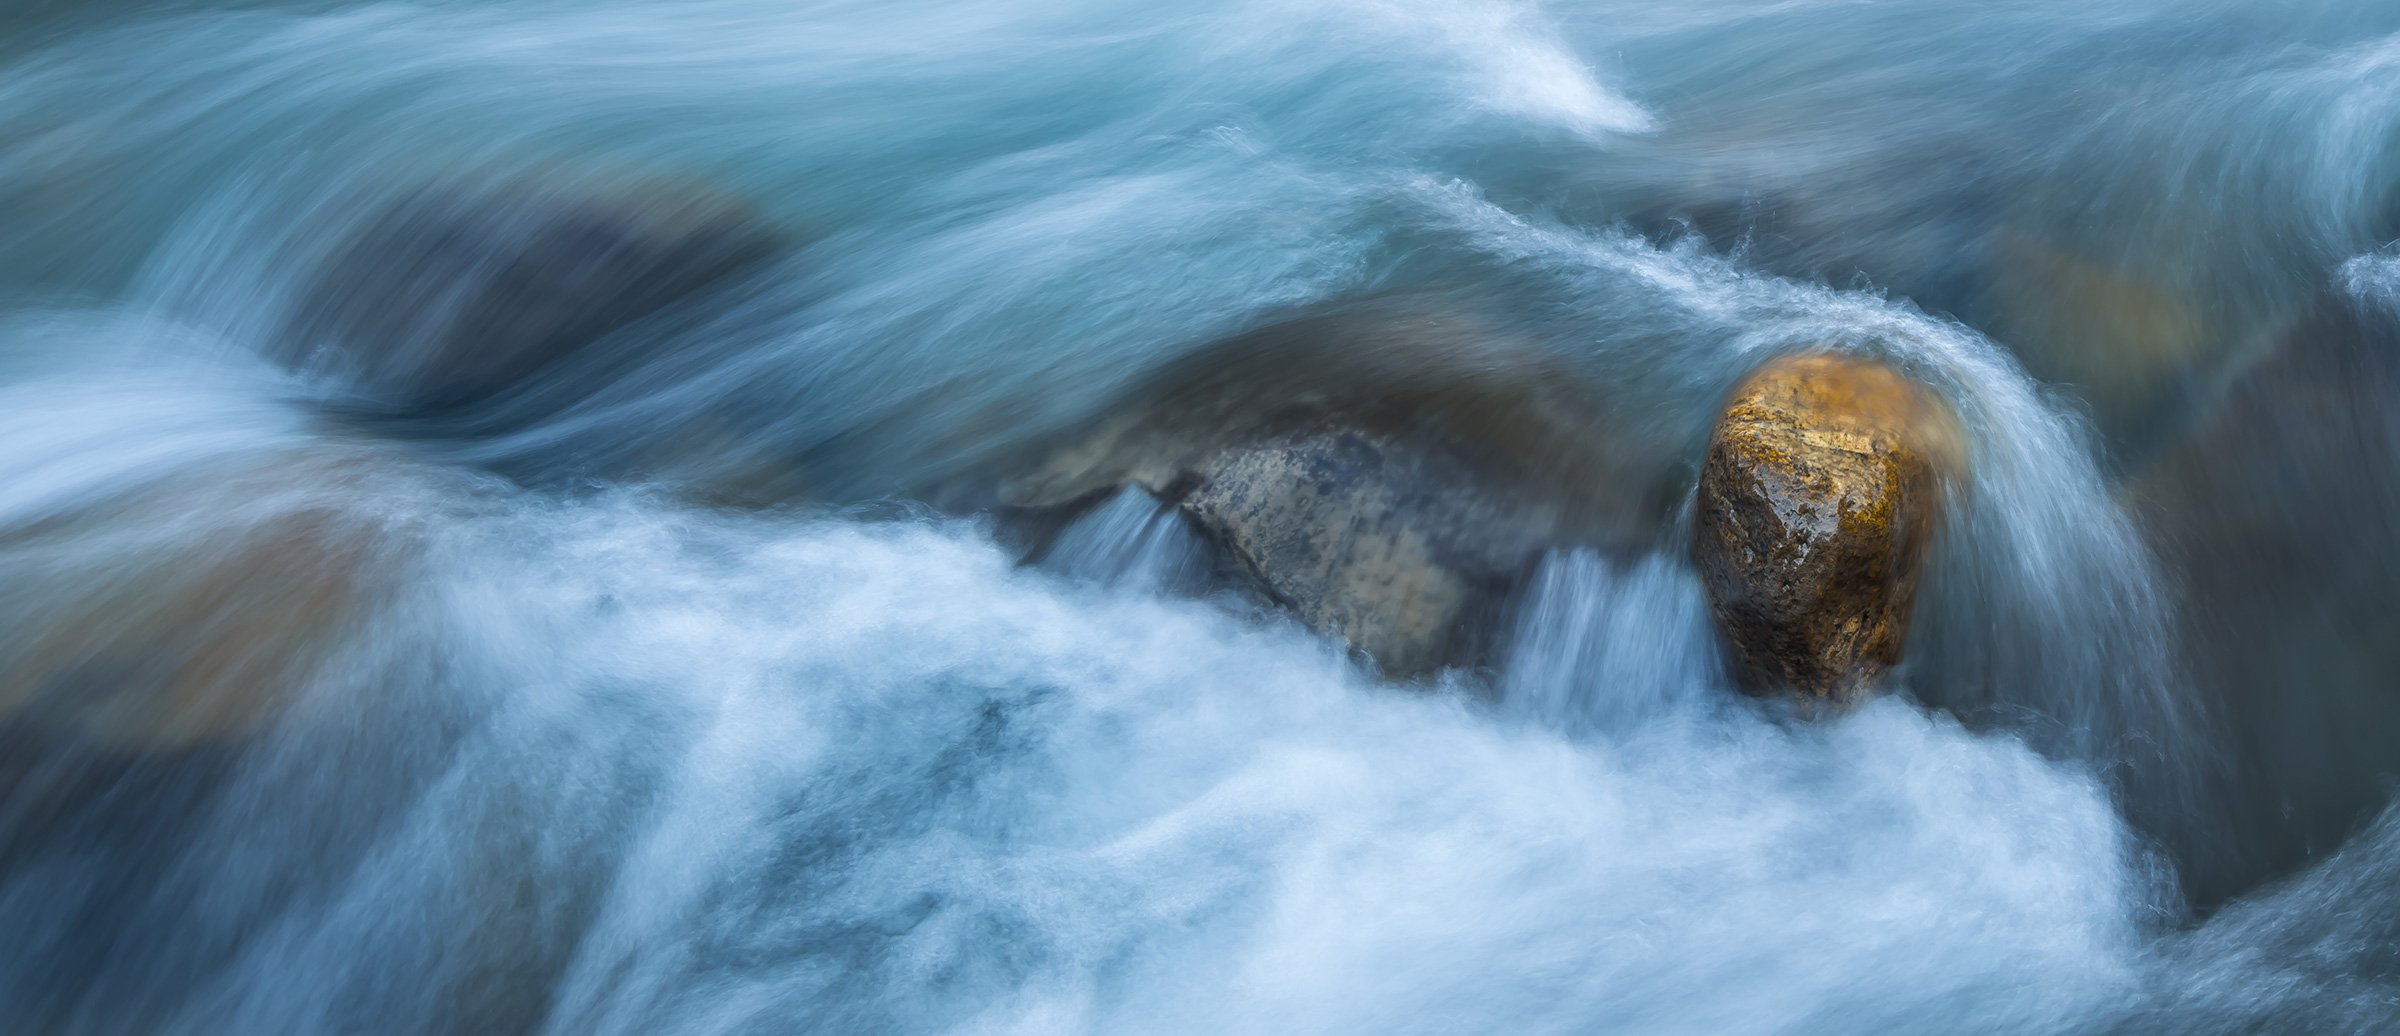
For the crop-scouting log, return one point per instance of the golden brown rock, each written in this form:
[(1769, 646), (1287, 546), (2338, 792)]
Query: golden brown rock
[(1817, 503)]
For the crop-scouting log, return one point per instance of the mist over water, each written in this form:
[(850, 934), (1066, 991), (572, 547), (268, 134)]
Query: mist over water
[(705, 680)]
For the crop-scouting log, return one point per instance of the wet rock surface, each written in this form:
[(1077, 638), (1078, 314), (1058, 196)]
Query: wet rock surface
[(1816, 508), (1387, 473), (1364, 537)]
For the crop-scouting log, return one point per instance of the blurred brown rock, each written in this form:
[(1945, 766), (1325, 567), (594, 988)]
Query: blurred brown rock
[(1817, 505), (195, 611)]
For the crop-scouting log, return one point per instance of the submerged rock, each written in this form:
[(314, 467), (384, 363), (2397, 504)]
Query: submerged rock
[(194, 612), (453, 294), (2125, 332), (1385, 472), (1817, 505), (2276, 516)]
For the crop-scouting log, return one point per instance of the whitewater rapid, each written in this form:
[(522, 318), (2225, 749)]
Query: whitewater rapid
[(595, 756)]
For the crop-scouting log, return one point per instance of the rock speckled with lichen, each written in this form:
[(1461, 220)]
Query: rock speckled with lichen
[(1817, 504)]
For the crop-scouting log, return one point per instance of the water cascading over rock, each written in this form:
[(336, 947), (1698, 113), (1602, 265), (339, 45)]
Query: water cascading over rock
[(484, 302), (1387, 472), (1819, 499), (455, 293), (220, 595)]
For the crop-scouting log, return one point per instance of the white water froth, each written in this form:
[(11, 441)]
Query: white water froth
[(748, 774), (2374, 279), (1053, 811), (652, 768), (1509, 60)]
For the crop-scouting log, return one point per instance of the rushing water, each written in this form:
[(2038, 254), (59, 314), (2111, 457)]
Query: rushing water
[(570, 745)]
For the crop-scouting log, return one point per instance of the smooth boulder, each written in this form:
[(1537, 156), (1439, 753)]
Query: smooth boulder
[(1817, 505), (456, 293)]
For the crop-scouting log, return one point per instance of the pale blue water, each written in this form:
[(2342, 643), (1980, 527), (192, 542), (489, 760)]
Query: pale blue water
[(606, 760)]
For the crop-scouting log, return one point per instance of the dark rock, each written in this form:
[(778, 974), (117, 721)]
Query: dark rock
[(1817, 505), (2276, 517), (453, 294)]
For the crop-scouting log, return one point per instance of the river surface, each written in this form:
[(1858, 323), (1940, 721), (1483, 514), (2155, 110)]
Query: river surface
[(571, 744)]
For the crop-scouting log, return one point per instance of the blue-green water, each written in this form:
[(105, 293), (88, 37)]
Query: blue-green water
[(600, 758)]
